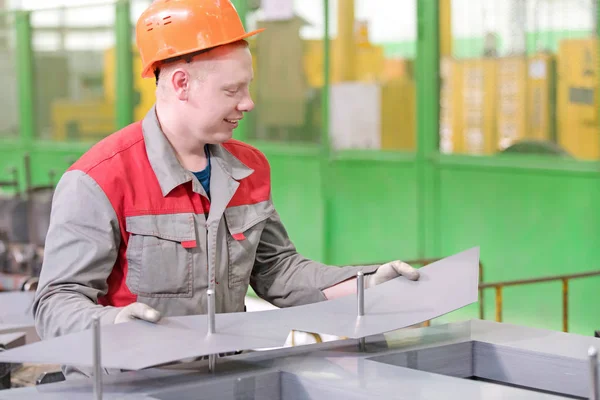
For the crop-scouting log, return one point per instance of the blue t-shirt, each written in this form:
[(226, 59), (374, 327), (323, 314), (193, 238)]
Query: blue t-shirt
[(204, 175)]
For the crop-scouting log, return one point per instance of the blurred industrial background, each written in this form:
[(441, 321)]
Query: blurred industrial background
[(408, 129)]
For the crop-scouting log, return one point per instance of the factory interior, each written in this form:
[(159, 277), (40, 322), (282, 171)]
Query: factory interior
[(445, 122)]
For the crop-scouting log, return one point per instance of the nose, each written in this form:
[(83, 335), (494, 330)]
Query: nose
[(246, 105)]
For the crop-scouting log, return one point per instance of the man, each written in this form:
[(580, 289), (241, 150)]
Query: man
[(154, 215)]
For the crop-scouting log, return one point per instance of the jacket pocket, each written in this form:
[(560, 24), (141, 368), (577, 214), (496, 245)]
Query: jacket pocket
[(245, 225), (159, 255)]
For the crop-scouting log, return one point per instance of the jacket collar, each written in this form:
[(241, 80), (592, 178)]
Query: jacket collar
[(169, 171)]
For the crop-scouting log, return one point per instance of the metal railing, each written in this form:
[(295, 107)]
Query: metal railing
[(498, 286)]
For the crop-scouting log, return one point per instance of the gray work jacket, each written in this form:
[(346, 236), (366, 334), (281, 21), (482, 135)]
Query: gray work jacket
[(128, 224)]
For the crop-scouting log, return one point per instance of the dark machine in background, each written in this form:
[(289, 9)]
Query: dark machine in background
[(24, 221)]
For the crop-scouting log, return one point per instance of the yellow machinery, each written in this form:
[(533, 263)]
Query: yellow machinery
[(369, 63), (526, 99), (353, 59), (486, 104), (451, 107), (577, 96), (398, 106), (94, 119), (468, 106), (541, 97), (489, 104), (82, 120), (394, 76), (511, 113), (479, 106), (143, 88)]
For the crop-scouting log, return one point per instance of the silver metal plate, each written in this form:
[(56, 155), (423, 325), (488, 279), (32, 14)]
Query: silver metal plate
[(444, 286)]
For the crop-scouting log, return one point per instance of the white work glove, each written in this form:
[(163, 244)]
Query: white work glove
[(390, 271), (137, 311)]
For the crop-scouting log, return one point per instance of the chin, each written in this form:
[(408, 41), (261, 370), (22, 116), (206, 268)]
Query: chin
[(221, 137)]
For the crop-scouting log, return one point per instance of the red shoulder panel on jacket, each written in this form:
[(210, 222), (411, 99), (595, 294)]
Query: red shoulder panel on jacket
[(109, 147)]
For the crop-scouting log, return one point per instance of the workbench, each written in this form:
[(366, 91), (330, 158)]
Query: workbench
[(463, 360)]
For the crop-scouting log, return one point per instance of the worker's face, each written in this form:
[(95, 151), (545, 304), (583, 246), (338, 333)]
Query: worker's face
[(220, 94)]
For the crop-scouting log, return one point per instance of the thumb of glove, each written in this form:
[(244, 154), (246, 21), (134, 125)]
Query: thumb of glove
[(391, 271), (137, 311)]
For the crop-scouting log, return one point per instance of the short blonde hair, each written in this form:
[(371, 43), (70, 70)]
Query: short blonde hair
[(197, 66)]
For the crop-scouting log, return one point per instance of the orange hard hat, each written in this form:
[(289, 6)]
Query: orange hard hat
[(169, 29)]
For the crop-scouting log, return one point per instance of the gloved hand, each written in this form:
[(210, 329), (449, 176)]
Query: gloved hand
[(390, 271), (137, 311)]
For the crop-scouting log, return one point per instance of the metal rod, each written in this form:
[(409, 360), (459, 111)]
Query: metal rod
[(540, 280), (212, 362), (97, 359), (498, 303), (360, 300), (565, 305), (211, 311), (593, 358), (360, 293), (212, 358), (362, 344), (481, 294), (29, 199)]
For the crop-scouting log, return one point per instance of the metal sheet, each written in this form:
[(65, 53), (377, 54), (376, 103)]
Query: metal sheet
[(408, 364), (16, 308), (444, 286), (139, 345), (16, 314)]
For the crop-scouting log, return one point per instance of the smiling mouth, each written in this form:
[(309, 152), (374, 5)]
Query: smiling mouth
[(232, 121)]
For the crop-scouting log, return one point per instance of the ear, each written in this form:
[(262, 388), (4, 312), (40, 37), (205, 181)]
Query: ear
[(180, 80)]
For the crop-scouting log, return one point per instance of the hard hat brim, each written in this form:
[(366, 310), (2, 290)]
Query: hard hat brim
[(148, 72)]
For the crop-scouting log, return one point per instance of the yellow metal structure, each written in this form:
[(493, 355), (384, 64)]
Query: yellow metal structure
[(395, 76), (451, 107), (512, 100), (370, 63), (445, 7), (398, 96), (398, 105), (92, 120), (144, 88), (541, 97), (398, 112), (344, 47), (577, 98), (82, 120), (489, 104), (479, 92)]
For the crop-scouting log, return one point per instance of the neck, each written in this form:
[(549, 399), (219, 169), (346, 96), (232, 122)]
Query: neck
[(189, 151)]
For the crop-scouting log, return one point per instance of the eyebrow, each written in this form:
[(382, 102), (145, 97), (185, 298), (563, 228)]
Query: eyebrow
[(238, 83)]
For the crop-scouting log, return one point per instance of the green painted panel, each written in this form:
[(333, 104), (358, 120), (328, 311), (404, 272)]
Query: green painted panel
[(56, 162), (10, 157), (529, 224), (470, 47), (297, 197), (373, 216)]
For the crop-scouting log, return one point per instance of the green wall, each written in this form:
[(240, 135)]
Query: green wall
[(532, 217), (373, 217), (297, 196)]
